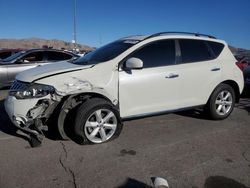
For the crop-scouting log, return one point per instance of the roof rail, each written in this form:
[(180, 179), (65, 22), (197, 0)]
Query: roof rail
[(176, 32)]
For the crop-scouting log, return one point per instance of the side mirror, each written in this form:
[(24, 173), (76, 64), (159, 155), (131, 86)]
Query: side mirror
[(134, 63)]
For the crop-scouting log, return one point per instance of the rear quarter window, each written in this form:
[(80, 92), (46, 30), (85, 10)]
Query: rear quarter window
[(216, 47)]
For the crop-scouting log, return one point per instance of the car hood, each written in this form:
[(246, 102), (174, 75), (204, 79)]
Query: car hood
[(44, 71)]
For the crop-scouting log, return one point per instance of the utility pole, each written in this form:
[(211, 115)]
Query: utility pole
[(74, 35)]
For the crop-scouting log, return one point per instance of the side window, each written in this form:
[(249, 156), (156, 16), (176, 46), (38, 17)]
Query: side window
[(33, 57), (194, 51), (4, 55), (216, 47), (58, 56), (156, 54)]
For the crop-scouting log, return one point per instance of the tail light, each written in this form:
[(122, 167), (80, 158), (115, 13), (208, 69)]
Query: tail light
[(242, 65)]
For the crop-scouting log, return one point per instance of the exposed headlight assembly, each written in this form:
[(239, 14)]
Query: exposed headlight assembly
[(30, 90)]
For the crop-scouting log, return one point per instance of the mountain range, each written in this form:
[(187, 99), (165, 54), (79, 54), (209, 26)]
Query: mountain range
[(60, 44), (40, 43)]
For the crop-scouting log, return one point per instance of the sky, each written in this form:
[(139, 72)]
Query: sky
[(101, 21)]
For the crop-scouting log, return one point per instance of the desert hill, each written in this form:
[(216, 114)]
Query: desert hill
[(39, 43), (59, 44)]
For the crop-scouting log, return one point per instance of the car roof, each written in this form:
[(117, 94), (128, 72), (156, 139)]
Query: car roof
[(43, 49), (11, 50), (49, 50), (135, 37), (185, 35)]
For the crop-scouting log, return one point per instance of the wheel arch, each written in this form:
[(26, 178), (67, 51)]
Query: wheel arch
[(210, 106), (89, 95), (70, 102), (235, 87)]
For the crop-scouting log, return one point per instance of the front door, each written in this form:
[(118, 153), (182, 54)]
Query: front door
[(155, 87)]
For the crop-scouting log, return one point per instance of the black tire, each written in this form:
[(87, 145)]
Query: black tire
[(211, 106), (85, 111)]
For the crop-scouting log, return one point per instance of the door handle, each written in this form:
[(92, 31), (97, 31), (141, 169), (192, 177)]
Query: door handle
[(172, 75), (215, 69)]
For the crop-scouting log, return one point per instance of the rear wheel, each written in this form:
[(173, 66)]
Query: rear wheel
[(97, 121), (221, 102)]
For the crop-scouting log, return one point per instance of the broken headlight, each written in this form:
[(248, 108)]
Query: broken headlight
[(28, 91)]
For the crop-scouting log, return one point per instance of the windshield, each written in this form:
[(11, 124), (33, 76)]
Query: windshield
[(106, 53), (14, 56)]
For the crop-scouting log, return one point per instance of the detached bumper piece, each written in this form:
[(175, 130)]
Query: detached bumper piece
[(33, 124), (33, 129)]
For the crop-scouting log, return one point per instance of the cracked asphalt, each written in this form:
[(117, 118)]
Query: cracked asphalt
[(185, 148)]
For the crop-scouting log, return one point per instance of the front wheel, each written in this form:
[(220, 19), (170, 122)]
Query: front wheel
[(221, 102), (97, 121)]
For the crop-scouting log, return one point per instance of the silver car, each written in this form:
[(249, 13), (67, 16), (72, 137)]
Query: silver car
[(24, 60)]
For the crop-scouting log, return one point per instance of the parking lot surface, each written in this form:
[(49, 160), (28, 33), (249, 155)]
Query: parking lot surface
[(185, 148)]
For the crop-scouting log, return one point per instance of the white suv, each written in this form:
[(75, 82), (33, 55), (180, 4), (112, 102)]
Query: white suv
[(132, 77)]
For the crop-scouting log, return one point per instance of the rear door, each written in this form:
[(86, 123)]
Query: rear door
[(199, 73)]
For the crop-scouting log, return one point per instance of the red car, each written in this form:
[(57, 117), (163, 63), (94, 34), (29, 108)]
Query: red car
[(4, 53), (244, 64)]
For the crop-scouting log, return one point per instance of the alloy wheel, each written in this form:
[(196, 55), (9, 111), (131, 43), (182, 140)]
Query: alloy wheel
[(100, 126), (223, 102)]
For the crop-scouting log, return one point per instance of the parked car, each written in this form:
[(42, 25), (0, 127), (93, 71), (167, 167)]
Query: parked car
[(27, 59), (244, 64), (4, 53), (132, 77), (247, 78)]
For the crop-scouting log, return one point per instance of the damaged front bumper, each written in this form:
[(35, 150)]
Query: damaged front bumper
[(30, 115)]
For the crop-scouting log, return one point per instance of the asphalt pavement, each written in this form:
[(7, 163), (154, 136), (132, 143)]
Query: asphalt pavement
[(184, 148)]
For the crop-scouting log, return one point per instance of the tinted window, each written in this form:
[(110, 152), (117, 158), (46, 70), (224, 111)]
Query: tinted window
[(106, 52), (156, 54), (194, 50), (58, 56), (14, 56), (216, 47), (33, 57), (4, 55)]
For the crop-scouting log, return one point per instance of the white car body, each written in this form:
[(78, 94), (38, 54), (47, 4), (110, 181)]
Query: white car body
[(138, 93)]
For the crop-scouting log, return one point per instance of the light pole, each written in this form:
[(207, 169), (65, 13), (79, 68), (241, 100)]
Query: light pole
[(74, 35)]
